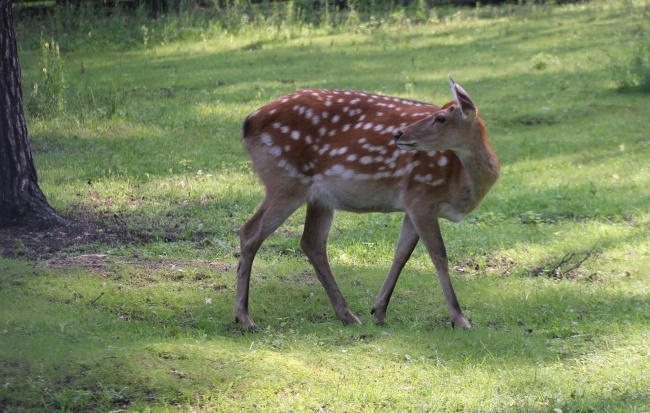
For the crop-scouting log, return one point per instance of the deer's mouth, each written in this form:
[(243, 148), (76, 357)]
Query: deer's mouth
[(406, 146)]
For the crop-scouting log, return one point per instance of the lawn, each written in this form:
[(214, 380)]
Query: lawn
[(138, 138)]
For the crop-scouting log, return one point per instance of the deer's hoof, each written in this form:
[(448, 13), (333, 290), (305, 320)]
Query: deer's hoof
[(247, 323), (460, 321), (351, 319), (379, 316)]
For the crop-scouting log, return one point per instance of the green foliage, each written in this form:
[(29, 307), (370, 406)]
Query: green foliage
[(104, 28)]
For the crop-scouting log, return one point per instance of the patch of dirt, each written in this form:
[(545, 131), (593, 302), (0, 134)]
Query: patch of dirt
[(92, 261), (98, 262), (500, 264), (85, 237), (304, 278), (38, 244)]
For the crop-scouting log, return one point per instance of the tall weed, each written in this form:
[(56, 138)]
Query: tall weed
[(47, 96), (631, 73)]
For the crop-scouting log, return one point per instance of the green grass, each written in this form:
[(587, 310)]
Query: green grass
[(148, 149)]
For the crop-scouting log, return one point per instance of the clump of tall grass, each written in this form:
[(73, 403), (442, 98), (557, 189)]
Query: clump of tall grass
[(47, 97), (632, 72), (53, 96)]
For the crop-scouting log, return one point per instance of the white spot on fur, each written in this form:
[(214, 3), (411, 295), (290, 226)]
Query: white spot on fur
[(345, 128), (442, 161), (335, 118), (295, 135), (335, 170), (324, 149), (267, 139)]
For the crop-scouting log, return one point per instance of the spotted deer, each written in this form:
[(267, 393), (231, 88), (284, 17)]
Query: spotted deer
[(363, 152)]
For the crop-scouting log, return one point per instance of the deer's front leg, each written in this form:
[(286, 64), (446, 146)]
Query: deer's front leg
[(314, 242), (426, 223), (408, 239)]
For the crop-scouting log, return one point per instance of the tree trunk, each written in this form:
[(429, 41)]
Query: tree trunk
[(22, 202)]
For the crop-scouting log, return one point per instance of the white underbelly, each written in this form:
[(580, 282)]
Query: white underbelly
[(347, 195)]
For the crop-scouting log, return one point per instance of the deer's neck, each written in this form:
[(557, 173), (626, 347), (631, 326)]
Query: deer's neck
[(481, 171)]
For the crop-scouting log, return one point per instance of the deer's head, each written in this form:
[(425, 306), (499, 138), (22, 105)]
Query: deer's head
[(454, 126)]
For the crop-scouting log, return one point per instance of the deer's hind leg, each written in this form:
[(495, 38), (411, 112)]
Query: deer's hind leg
[(270, 215), (314, 243)]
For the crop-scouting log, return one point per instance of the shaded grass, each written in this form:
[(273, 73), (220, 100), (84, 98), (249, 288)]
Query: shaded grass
[(563, 342), (148, 148)]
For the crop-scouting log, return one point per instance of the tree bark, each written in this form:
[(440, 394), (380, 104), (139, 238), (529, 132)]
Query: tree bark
[(22, 203)]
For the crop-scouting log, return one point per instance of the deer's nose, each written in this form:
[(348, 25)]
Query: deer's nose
[(398, 135)]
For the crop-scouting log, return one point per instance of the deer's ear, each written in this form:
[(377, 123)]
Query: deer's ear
[(463, 100)]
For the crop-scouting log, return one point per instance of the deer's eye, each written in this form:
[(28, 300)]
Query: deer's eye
[(440, 119)]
